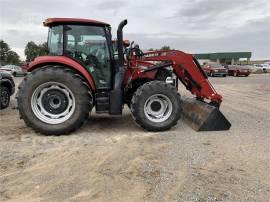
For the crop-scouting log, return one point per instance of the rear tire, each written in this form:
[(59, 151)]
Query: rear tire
[(156, 106), (54, 100), (4, 97)]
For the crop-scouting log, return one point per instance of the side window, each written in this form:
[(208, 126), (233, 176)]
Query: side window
[(55, 40), (95, 46)]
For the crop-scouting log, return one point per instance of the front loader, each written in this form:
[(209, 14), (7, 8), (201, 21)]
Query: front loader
[(85, 69)]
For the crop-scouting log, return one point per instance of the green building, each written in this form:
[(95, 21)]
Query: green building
[(229, 58)]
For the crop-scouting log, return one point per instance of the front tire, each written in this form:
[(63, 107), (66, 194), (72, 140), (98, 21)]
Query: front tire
[(156, 106), (4, 97), (54, 100)]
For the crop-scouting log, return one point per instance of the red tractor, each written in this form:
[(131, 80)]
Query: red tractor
[(84, 70)]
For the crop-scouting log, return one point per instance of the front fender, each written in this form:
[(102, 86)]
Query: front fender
[(62, 60)]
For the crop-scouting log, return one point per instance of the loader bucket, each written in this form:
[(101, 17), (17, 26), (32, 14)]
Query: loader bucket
[(203, 117)]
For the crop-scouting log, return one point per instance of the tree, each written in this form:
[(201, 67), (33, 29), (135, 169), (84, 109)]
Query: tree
[(4, 48), (32, 50), (13, 58), (165, 48), (43, 49), (7, 56)]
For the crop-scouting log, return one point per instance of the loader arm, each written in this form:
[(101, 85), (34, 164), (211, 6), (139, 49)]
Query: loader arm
[(189, 72)]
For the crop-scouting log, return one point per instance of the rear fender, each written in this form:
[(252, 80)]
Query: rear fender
[(62, 60)]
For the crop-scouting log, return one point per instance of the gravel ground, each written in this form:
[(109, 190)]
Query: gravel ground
[(112, 159)]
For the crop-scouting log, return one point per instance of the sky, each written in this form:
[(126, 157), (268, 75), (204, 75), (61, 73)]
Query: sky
[(193, 26)]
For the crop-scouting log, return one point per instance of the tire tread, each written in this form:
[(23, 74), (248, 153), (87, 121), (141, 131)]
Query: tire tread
[(65, 72), (149, 87)]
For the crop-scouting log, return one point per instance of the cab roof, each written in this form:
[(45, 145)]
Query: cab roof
[(54, 21)]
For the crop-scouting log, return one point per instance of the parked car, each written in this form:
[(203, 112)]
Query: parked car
[(214, 69), (14, 70), (264, 67), (237, 70), (7, 88), (25, 67)]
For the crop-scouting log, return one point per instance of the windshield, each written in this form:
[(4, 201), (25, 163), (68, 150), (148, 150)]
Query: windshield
[(216, 66), (55, 40)]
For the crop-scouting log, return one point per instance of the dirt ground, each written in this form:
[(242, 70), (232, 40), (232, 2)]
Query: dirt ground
[(113, 159)]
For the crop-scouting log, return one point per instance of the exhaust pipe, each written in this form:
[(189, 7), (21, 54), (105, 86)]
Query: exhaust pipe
[(116, 95), (120, 47), (203, 117)]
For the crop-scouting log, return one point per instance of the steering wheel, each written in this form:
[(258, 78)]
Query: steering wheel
[(79, 55), (92, 60), (75, 54)]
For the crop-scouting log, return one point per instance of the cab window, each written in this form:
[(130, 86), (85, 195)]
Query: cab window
[(55, 40)]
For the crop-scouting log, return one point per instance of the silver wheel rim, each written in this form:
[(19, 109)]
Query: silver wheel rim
[(59, 105), (158, 108)]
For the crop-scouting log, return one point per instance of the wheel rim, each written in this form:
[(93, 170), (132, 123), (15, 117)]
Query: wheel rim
[(53, 103), (158, 108), (4, 97)]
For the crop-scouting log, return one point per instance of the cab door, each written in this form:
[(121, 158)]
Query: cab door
[(89, 46)]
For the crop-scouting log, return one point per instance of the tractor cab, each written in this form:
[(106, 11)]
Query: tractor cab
[(87, 42)]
